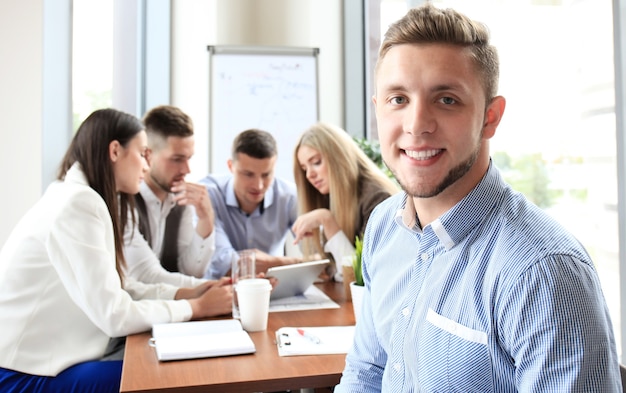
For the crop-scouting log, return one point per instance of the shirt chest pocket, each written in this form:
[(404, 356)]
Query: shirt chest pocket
[(452, 357)]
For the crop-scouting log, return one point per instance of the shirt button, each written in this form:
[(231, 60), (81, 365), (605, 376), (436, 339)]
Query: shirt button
[(405, 311), (397, 367), (425, 257)]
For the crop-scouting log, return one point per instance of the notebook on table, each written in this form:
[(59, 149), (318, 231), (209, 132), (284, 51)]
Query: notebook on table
[(200, 339), (294, 280)]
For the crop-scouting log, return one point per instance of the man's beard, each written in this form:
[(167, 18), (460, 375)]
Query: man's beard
[(163, 186), (453, 175)]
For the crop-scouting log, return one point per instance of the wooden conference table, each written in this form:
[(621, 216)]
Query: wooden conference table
[(263, 371)]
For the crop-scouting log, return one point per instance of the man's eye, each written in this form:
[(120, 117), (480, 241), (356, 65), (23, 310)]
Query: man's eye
[(448, 100), (398, 100)]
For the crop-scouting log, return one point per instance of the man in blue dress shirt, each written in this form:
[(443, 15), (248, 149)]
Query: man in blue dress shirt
[(469, 287), (253, 209)]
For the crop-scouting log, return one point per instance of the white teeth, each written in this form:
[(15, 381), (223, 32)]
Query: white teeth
[(422, 154)]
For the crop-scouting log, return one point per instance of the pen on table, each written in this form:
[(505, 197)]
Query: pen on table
[(309, 336)]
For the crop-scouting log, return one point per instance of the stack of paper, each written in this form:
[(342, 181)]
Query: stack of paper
[(325, 340), (199, 339)]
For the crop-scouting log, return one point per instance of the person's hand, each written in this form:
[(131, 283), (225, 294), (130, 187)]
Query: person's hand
[(312, 257), (191, 293), (222, 281), (273, 280), (197, 196), (193, 194), (215, 299), (307, 222), (264, 261)]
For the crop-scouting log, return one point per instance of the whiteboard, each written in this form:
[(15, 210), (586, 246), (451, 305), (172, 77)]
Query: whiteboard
[(270, 88)]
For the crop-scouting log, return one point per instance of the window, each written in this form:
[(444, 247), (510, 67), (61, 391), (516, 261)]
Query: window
[(92, 57)]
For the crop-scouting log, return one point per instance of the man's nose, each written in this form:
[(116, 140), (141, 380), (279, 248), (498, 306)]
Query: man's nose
[(418, 119)]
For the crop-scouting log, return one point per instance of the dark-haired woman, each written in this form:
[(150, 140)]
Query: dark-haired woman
[(62, 288)]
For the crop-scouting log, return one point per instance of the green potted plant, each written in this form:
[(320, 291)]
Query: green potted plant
[(356, 262), (371, 148), (357, 286)]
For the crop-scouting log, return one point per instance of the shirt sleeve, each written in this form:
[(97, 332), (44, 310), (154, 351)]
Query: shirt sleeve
[(554, 339), (194, 252), (140, 291), (143, 265), (365, 362), (224, 251), (81, 249), (339, 246)]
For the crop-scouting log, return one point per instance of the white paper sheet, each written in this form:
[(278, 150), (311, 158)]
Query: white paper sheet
[(320, 340)]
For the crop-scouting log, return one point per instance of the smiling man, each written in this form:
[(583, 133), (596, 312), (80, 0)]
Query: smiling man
[(469, 287), (254, 210)]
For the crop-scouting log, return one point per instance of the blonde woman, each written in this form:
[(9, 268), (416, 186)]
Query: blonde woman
[(338, 187)]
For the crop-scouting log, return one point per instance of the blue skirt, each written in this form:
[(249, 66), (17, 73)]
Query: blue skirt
[(88, 377)]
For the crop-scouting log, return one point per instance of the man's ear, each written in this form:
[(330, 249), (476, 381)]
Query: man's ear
[(493, 115), (148, 156), (114, 150), (229, 162)]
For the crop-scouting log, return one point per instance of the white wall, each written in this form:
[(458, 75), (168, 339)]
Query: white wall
[(21, 81), (198, 23)]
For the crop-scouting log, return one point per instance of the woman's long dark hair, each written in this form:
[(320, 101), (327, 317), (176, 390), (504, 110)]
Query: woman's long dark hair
[(90, 148)]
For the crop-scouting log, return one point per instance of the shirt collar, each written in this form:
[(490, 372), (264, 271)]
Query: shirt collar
[(231, 199), (406, 215), (75, 174), (149, 196), (455, 224)]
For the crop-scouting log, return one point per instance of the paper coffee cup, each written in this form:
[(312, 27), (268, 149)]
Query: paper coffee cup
[(254, 303)]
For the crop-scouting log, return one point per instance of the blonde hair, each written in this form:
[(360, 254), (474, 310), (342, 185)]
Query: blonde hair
[(347, 166)]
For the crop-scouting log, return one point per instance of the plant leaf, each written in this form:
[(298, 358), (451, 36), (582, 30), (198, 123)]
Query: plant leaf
[(358, 272)]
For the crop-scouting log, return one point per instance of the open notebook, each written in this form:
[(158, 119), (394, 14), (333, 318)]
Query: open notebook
[(200, 339)]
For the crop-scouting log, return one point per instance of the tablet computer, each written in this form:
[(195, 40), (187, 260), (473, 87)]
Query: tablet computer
[(294, 279)]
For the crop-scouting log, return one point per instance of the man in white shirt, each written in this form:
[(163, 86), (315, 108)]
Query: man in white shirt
[(164, 246)]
